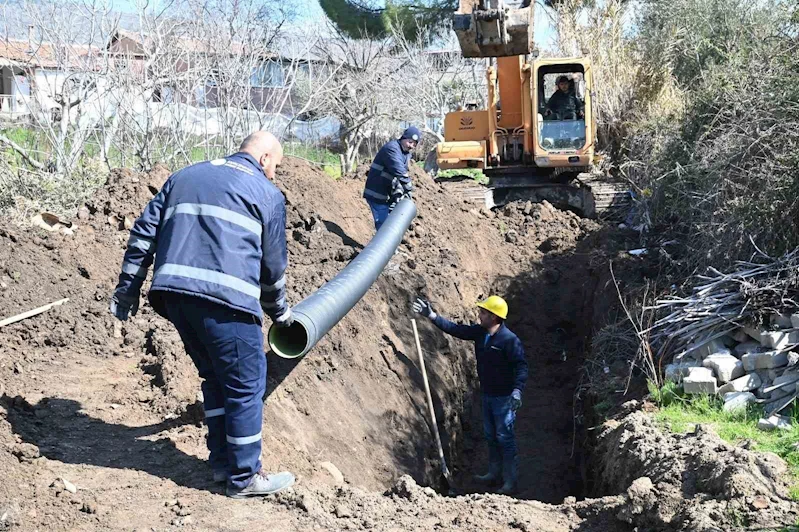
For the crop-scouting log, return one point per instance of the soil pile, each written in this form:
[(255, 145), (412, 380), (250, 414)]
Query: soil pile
[(100, 423), (691, 481)]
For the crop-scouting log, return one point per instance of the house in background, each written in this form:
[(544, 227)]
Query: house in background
[(209, 75), (32, 74)]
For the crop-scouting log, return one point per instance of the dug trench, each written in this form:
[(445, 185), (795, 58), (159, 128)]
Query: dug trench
[(101, 423)]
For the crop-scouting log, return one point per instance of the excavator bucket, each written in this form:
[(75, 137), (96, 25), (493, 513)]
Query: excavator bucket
[(494, 28)]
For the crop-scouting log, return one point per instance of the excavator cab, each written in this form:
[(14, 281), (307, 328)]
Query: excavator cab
[(529, 127)]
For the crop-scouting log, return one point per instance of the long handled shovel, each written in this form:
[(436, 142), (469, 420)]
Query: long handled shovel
[(434, 427)]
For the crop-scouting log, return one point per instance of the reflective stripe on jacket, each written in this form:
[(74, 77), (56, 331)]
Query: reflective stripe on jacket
[(388, 175), (215, 230)]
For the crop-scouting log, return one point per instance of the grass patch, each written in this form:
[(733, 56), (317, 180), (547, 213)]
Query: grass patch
[(681, 414), (472, 173), (603, 407), (326, 159)]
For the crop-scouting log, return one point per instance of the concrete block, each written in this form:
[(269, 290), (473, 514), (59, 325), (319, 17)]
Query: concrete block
[(780, 339), (785, 381), (725, 367), (746, 383), (767, 360), (775, 422), (754, 333), (699, 381), (687, 357), (740, 336), (704, 349), (747, 347), (736, 401), (795, 320), (763, 374), (777, 394), (728, 341), (676, 372), (773, 406), (781, 321)]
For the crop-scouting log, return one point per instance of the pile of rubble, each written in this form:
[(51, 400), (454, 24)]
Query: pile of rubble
[(746, 366)]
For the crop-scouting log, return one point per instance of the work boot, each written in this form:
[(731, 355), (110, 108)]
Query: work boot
[(510, 468), (489, 478), (262, 484), (508, 488)]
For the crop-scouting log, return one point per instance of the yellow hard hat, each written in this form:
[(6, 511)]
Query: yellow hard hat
[(495, 305)]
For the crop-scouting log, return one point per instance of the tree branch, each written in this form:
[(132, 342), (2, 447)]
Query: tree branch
[(22, 152)]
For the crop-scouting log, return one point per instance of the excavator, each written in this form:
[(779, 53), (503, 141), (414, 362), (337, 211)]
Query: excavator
[(527, 147)]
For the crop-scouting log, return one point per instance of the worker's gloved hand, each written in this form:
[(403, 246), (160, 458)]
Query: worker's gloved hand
[(284, 320), (422, 306), (515, 400), (393, 202), (123, 306)]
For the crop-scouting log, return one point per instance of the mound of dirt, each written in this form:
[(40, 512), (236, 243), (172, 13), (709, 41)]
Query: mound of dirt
[(120, 201), (691, 481)]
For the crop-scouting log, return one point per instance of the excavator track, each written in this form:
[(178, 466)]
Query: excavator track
[(612, 200), (590, 195)]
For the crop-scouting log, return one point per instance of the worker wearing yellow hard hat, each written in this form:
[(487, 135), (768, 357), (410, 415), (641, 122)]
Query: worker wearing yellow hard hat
[(502, 369), (495, 305)]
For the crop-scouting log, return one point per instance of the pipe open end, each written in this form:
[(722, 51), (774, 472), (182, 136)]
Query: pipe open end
[(289, 342)]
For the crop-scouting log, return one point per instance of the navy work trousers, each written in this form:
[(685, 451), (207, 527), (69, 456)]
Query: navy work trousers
[(498, 422), (227, 346), (379, 212)]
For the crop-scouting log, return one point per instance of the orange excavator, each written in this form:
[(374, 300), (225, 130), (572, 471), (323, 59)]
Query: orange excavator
[(531, 142)]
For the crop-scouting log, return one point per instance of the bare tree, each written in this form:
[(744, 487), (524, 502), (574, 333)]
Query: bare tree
[(433, 79), (359, 90), (193, 75), (62, 63)]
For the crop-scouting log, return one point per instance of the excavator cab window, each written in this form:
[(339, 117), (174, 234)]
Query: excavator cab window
[(561, 113), (563, 96)]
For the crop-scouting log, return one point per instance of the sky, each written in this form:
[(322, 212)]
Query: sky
[(310, 10)]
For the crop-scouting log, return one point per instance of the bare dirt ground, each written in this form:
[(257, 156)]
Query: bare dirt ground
[(100, 426)]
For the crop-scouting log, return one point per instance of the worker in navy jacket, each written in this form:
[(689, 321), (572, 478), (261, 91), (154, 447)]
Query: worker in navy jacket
[(502, 369), (216, 233), (388, 180)]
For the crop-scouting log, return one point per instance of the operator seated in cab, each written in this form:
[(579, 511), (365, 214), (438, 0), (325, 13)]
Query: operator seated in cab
[(564, 103)]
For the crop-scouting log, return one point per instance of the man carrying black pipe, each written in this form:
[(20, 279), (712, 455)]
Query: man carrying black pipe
[(502, 370), (389, 179), (217, 235)]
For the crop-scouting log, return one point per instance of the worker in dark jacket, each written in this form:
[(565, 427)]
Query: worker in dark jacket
[(502, 369), (216, 232), (388, 180), (564, 104)]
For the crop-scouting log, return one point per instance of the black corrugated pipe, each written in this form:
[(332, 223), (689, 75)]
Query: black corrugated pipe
[(318, 313)]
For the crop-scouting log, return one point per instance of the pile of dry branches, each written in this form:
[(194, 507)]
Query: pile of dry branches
[(723, 302)]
